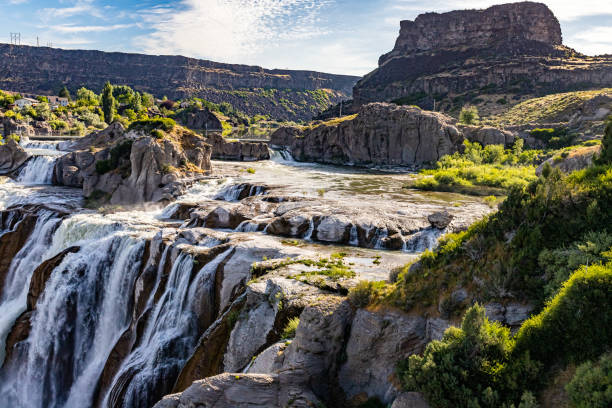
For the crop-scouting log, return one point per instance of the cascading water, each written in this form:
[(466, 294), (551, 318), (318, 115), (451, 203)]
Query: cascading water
[(38, 170), (17, 282), (281, 155), (51, 145), (423, 240), (169, 338)]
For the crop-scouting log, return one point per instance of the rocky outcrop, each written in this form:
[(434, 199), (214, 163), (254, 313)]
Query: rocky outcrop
[(237, 150), (12, 156), (380, 134), (133, 167), (576, 159), (505, 24), (487, 135), (44, 70), (510, 49), (200, 119)]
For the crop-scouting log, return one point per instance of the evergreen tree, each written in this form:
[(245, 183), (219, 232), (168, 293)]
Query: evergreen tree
[(606, 145), (108, 103), (64, 93)]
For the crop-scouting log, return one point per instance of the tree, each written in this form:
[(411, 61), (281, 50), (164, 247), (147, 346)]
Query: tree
[(468, 115), (606, 145), (64, 93), (86, 97), (109, 106), (147, 100)]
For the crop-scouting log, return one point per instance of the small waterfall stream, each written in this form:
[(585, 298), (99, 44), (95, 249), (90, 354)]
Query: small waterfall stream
[(38, 170)]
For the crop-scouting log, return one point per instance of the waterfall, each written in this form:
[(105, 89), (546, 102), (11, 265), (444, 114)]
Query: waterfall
[(13, 296), (170, 336), (51, 145), (38, 170), (281, 155), (235, 191), (422, 240), (247, 226), (80, 315)]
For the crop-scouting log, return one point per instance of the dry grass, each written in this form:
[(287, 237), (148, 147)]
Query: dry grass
[(545, 109)]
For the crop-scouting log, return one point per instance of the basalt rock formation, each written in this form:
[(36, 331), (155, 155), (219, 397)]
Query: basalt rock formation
[(251, 89), (510, 48), (12, 156), (133, 167), (380, 134), (200, 119), (238, 150)]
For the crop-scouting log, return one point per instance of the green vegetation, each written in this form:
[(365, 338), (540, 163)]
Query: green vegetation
[(481, 365), (366, 292), (468, 115), (554, 138), (119, 159), (149, 125), (481, 171), (290, 328), (545, 109), (108, 103), (606, 145), (591, 386)]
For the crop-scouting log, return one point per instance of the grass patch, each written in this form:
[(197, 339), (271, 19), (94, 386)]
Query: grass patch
[(290, 328), (480, 171)]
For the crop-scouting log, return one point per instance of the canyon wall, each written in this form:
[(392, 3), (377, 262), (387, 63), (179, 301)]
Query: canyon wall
[(513, 49), (249, 88)]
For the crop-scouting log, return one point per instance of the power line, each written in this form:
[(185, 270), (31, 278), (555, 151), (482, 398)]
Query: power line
[(16, 38)]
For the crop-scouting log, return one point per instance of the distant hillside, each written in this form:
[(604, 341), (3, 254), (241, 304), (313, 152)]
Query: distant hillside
[(283, 94), (504, 53)]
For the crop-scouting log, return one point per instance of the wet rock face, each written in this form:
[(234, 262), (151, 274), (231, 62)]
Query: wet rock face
[(506, 23), (12, 156), (381, 134)]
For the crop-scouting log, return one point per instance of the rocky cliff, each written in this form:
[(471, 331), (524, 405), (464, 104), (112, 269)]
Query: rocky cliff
[(133, 167), (249, 88), (507, 49), (380, 134)]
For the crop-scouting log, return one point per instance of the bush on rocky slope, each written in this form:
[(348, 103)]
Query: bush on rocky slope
[(498, 258), (591, 386), (481, 365)]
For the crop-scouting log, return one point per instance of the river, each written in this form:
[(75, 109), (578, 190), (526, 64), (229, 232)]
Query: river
[(120, 309)]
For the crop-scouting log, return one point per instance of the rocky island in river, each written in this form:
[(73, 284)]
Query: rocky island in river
[(249, 243)]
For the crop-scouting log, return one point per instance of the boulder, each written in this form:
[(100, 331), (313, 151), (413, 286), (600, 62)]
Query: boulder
[(440, 219), (410, 400), (200, 119), (224, 149), (241, 391), (487, 135), (576, 159), (376, 342), (12, 156), (380, 134)]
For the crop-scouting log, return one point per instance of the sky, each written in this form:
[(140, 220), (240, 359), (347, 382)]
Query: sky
[(337, 36)]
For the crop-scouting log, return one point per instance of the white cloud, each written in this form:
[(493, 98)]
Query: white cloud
[(79, 7), (593, 41), (66, 28), (565, 10), (230, 30)]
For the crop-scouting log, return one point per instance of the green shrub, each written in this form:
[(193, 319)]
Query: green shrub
[(470, 367), (158, 133), (120, 152), (575, 326), (290, 328), (468, 115), (556, 138), (365, 293), (591, 386), (148, 125), (606, 145)]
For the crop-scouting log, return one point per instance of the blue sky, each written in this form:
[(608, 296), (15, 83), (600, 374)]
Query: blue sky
[(339, 36)]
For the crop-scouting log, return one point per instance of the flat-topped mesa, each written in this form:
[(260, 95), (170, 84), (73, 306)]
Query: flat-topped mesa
[(507, 27)]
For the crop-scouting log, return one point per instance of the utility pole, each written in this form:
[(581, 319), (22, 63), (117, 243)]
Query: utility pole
[(16, 38), (37, 42)]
